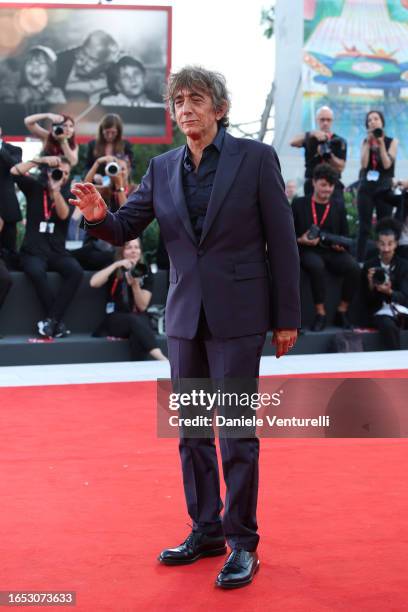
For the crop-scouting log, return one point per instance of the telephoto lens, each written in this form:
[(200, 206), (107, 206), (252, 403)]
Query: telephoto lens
[(112, 169), (58, 129), (56, 174)]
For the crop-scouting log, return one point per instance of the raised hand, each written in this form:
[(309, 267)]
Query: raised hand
[(89, 201)]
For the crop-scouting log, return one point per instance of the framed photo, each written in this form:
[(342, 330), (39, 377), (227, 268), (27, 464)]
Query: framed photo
[(86, 61)]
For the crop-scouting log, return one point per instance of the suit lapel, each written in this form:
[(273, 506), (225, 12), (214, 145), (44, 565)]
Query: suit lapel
[(174, 172), (228, 164)]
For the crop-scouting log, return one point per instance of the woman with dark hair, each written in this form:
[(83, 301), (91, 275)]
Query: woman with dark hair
[(38, 72), (378, 154), (129, 292), (60, 139), (110, 142)]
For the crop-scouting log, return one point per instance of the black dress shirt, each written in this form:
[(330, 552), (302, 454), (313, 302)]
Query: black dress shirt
[(197, 185)]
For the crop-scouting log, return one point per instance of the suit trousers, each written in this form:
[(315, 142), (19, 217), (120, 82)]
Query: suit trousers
[(233, 358)]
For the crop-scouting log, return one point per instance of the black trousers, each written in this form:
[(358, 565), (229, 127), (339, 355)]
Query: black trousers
[(235, 358), (367, 201), (5, 281), (137, 328), (389, 332), (36, 268), (315, 259)]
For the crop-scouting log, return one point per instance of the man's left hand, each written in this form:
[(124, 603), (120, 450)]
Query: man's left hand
[(284, 340)]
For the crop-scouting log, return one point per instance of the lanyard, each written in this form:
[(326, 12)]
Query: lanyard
[(314, 213), (47, 210), (114, 286), (374, 160)]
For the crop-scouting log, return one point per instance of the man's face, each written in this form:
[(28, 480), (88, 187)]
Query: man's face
[(323, 190), (195, 114), (290, 189), (325, 121), (386, 245), (87, 61), (131, 81)]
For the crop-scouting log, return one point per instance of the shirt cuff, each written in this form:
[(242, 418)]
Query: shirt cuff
[(89, 224)]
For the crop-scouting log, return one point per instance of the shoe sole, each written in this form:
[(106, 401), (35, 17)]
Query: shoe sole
[(239, 584), (208, 553)]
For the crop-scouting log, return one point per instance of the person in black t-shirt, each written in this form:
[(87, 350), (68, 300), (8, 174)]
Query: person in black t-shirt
[(43, 246), (386, 285), (378, 154), (5, 277), (329, 215), (323, 146), (128, 297)]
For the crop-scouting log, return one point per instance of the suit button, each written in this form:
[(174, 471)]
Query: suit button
[(200, 252)]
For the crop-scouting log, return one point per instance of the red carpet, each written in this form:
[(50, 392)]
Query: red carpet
[(90, 496)]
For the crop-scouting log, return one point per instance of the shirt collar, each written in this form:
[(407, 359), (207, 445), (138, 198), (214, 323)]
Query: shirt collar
[(217, 143)]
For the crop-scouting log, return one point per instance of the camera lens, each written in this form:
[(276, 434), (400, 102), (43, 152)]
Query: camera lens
[(58, 130), (56, 174), (378, 132), (112, 169)]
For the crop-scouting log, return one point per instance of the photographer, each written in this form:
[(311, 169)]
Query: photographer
[(322, 145), (378, 154), (111, 177), (110, 142), (10, 212), (386, 284), (129, 291), (325, 213), (59, 140), (5, 277), (43, 247)]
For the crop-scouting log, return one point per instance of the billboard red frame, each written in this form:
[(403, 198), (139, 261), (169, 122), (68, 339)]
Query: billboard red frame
[(165, 124)]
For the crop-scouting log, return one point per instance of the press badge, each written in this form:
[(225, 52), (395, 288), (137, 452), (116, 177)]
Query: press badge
[(373, 175), (110, 307), (43, 227)]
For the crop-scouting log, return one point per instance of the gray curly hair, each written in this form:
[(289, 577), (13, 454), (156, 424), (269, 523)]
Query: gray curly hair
[(195, 78)]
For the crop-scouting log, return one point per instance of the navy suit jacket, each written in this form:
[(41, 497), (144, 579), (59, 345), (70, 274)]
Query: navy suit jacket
[(248, 224)]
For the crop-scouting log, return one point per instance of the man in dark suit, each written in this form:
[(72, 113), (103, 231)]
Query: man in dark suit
[(223, 215), (10, 212)]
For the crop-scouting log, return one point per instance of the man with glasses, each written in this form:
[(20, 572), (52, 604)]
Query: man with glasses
[(81, 71), (323, 145)]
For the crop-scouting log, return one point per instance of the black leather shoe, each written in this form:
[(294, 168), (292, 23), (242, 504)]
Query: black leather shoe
[(341, 319), (239, 569), (319, 323), (197, 545)]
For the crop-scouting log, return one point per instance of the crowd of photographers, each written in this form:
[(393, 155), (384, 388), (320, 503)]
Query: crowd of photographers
[(377, 259), (380, 265), (49, 220)]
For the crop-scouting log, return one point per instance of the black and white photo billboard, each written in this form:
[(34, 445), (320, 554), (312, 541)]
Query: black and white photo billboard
[(86, 61)]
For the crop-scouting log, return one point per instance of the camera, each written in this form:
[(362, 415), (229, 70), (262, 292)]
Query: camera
[(379, 276), (56, 174), (325, 150), (378, 133), (58, 129), (137, 271), (327, 239), (112, 169)]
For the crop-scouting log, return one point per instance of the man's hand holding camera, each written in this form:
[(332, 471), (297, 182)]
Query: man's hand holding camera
[(305, 241), (385, 287)]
